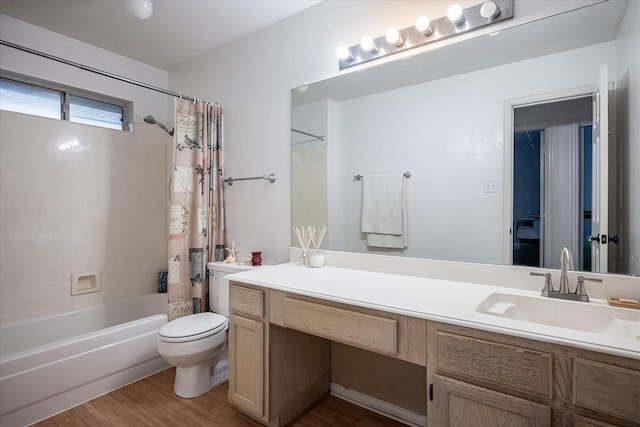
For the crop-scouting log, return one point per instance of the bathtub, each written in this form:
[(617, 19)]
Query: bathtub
[(54, 363)]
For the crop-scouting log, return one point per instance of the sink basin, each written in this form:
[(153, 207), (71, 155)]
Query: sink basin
[(580, 316)]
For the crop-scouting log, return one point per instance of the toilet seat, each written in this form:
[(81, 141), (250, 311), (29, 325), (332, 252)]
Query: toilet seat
[(193, 327)]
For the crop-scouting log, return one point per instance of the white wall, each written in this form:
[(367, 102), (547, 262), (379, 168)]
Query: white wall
[(628, 142), (101, 206), (252, 79)]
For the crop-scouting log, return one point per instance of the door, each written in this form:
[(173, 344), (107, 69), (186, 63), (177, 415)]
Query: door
[(600, 198), (549, 180)]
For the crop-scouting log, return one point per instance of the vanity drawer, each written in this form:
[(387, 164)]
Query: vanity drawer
[(506, 366), (378, 334), (246, 300), (607, 388)]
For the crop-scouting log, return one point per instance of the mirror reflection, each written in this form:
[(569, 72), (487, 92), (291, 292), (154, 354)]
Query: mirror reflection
[(497, 132)]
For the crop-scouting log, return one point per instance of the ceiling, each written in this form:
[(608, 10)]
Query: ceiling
[(176, 32)]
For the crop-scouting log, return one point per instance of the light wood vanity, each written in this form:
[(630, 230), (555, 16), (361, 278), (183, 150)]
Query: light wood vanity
[(280, 364)]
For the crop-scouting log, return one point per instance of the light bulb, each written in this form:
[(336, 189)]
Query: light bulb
[(141, 9), (367, 44), (454, 13), (489, 10), (394, 37), (423, 24), (344, 53)]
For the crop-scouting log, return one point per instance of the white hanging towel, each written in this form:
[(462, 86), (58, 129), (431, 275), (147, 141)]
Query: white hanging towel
[(384, 210)]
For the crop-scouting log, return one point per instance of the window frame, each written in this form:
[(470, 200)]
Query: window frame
[(68, 91)]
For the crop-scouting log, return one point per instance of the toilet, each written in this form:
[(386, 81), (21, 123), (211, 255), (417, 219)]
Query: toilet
[(197, 344)]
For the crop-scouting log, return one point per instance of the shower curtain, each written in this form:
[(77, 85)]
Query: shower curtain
[(196, 218)]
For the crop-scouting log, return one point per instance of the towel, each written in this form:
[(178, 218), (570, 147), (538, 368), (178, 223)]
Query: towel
[(384, 210)]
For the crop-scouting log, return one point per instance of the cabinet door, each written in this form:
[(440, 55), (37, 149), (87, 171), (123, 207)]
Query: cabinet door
[(246, 364), (579, 421), (607, 388), (463, 405)]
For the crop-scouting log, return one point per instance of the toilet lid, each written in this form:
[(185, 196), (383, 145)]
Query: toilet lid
[(193, 327)]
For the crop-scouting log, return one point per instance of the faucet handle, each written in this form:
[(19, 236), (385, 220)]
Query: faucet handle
[(580, 286), (589, 279), (548, 283)]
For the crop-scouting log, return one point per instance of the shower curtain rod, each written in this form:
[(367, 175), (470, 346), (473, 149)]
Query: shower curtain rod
[(98, 71), (320, 137)]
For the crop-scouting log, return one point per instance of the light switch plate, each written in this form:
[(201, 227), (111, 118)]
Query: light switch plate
[(490, 186)]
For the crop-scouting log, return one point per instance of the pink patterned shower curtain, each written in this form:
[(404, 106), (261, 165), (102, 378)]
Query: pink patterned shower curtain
[(196, 220)]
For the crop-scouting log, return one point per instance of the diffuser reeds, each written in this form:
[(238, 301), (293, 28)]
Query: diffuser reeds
[(308, 236)]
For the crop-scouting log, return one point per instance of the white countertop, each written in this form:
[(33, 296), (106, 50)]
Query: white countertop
[(432, 299)]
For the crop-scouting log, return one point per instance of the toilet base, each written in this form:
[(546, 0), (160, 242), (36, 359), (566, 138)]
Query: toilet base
[(193, 381)]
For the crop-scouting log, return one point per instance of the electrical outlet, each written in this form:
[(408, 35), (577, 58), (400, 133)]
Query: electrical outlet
[(490, 186)]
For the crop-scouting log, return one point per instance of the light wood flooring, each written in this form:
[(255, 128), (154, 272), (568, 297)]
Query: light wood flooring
[(151, 402)]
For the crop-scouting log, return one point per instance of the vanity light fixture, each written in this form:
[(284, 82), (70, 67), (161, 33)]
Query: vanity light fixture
[(455, 15), (489, 10), (394, 37), (344, 54), (426, 31), (368, 44), (423, 24)]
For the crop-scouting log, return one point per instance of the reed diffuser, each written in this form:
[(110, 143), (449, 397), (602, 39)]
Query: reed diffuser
[(308, 236), (316, 258)]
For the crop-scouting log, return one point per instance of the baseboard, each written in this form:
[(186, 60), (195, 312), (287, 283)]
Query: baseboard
[(379, 406)]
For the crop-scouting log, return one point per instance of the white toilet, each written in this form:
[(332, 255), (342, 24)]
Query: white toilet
[(197, 345)]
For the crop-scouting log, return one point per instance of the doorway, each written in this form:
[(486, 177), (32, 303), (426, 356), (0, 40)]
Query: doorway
[(552, 182)]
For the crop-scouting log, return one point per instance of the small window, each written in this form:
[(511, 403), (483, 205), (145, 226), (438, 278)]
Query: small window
[(28, 95), (97, 113), (29, 99)]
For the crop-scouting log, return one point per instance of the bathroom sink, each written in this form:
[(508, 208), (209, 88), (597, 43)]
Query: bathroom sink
[(579, 316)]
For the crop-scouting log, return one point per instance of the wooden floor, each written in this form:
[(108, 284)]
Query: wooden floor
[(151, 402)]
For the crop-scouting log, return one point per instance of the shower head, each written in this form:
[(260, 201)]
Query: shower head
[(152, 121)]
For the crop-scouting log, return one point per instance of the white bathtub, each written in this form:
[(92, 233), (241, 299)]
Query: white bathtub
[(52, 364)]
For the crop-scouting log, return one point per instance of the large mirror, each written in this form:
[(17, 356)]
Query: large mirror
[(460, 119)]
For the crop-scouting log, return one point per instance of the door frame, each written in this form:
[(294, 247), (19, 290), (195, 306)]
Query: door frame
[(509, 106)]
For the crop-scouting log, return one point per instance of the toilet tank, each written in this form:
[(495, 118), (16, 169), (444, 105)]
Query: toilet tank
[(219, 285)]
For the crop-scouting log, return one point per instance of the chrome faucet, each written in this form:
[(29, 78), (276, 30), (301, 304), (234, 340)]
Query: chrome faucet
[(566, 264)]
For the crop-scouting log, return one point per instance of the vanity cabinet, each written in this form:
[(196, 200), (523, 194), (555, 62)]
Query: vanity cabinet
[(280, 364), (275, 373), (247, 350), (494, 379)]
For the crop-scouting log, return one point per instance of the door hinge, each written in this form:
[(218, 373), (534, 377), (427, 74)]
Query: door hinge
[(431, 392)]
